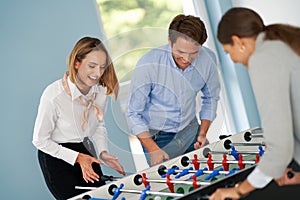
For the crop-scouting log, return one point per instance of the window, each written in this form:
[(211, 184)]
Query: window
[(132, 28)]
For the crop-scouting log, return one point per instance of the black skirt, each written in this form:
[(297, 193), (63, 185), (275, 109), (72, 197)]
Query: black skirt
[(61, 177)]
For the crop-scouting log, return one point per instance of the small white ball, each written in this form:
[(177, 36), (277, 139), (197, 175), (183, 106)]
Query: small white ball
[(157, 198)]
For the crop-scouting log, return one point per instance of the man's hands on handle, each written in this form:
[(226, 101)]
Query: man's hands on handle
[(202, 140), (85, 162), (157, 155)]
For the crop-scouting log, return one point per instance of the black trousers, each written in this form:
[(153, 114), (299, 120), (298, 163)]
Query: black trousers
[(61, 177)]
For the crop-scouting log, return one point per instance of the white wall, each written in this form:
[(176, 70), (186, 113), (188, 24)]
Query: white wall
[(274, 11), (36, 39)]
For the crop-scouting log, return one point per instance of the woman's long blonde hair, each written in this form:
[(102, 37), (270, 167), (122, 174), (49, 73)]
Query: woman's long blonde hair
[(84, 46)]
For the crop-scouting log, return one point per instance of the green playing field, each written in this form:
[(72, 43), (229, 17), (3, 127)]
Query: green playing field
[(181, 188)]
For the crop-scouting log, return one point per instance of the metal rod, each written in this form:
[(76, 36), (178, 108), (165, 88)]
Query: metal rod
[(257, 135), (202, 183), (153, 193), (228, 161), (247, 143), (135, 191), (256, 130), (230, 152), (85, 188), (205, 171)]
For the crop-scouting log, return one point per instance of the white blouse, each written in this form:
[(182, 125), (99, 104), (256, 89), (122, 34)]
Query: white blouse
[(59, 121)]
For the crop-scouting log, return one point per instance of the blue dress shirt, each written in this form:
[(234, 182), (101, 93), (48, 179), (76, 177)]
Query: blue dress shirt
[(163, 96)]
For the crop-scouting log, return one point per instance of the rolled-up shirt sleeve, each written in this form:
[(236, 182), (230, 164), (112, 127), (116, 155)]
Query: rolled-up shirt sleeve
[(138, 98), (210, 96), (100, 136), (258, 179)]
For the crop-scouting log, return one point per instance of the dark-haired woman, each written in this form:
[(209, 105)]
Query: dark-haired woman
[(272, 56)]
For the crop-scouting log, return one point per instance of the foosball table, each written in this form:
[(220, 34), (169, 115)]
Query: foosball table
[(194, 175)]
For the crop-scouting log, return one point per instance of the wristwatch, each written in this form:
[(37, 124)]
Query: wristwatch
[(236, 188)]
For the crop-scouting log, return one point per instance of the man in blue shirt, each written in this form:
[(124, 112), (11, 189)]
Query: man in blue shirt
[(161, 109)]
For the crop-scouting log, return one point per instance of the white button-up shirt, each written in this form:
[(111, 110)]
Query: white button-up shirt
[(59, 121)]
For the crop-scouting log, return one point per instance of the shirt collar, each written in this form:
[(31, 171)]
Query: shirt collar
[(75, 92), (260, 40)]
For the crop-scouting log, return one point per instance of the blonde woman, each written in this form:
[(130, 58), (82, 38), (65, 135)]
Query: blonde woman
[(70, 120)]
